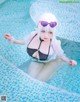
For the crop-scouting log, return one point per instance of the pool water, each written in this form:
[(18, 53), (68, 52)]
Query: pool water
[(14, 81)]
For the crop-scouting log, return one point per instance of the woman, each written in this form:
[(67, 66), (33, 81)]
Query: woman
[(44, 49)]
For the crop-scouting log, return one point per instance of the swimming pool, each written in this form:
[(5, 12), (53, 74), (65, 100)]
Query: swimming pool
[(14, 82)]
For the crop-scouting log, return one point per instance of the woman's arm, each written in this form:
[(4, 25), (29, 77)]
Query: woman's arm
[(69, 61), (22, 42), (12, 39), (61, 54), (19, 42)]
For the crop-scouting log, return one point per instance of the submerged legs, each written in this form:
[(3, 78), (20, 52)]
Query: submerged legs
[(42, 71), (34, 69), (49, 69)]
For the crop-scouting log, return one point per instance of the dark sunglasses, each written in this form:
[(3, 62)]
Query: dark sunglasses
[(45, 23)]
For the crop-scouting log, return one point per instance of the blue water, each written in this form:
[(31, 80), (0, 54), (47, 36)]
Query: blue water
[(14, 81)]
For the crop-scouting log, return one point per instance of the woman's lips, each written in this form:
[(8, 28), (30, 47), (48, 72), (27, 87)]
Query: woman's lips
[(46, 38)]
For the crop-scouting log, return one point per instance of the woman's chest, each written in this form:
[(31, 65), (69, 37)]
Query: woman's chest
[(42, 46)]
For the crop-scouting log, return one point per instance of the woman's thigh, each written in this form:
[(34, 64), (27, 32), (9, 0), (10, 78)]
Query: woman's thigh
[(34, 68), (49, 69)]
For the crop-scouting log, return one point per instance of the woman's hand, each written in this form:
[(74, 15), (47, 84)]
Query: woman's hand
[(72, 63), (8, 36), (13, 40)]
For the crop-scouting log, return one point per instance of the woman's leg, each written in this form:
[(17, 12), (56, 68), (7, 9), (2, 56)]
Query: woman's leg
[(34, 69), (49, 69)]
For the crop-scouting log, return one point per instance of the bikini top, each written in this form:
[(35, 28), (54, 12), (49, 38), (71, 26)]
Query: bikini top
[(31, 51)]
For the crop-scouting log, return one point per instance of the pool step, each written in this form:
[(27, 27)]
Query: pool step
[(19, 87)]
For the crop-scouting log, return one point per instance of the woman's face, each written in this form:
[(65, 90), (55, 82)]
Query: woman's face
[(46, 33)]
